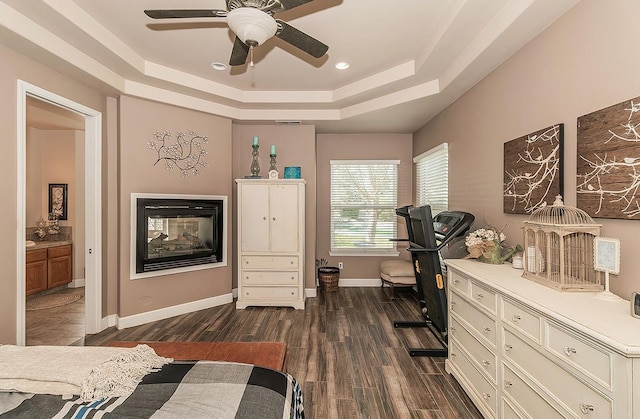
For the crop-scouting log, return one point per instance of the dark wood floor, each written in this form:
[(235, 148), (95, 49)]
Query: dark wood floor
[(343, 349)]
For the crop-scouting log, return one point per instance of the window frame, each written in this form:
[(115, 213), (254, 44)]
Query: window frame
[(391, 251)]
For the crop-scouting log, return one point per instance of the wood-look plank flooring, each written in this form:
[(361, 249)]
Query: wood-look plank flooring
[(60, 326), (343, 350)]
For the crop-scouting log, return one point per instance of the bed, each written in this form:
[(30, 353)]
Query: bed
[(176, 389)]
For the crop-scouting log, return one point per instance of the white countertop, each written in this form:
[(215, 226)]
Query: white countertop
[(608, 321)]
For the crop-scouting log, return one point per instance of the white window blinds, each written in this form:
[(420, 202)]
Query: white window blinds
[(432, 178), (364, 196)]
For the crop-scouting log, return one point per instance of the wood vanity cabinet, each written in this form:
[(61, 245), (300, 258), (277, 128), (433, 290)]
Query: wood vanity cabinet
[(48, 268)]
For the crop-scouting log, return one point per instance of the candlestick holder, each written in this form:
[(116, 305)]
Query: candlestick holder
[(255, 163), (273, 169)]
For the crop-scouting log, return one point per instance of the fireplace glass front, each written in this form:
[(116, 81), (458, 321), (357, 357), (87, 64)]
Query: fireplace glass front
[(176, 233)]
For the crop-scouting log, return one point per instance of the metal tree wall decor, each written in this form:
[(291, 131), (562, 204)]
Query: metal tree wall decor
[(533, 170), (608, 164), (185, 154)]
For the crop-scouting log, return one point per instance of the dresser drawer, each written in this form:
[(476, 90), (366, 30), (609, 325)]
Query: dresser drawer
[(486, 392), (484, 358), (526, 397), (58, 251), (483, 324), (570, 390), (269, 278), (483, 296), (586, 358), (459, 282), (261, 293), (36, 255), (522, 319), (269, 262)]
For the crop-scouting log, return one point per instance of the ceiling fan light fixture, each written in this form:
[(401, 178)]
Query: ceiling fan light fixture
[(251, 25)]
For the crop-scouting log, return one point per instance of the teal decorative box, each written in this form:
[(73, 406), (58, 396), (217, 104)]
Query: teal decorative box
[(292, 172)]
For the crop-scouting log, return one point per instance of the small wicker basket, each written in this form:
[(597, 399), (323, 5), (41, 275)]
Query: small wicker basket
[(329, 276), (558, 248)]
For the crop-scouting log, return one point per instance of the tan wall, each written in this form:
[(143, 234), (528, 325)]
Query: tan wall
[(139, 119), (585, 61), (365, 147), (295, 146)]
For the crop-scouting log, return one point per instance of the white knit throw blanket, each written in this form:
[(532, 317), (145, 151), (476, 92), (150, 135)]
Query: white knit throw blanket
[(92, 372)]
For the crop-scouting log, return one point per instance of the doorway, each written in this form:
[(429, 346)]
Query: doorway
[(91, 250)]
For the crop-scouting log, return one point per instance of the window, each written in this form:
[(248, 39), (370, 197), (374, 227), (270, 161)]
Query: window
[(364, 195), (432, 178)]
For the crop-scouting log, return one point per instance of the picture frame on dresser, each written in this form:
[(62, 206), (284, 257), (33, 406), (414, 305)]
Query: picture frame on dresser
[(58, 200)]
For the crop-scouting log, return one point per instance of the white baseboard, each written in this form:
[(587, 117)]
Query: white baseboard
[(165, 313), (311, 292), (76, 283)]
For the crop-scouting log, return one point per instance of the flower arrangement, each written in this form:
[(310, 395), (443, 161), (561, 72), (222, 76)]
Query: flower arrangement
[(486, 245)]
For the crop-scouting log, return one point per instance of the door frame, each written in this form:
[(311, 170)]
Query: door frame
[(93, 206)]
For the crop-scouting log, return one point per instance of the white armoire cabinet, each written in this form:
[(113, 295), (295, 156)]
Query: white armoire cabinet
[(271, 242)]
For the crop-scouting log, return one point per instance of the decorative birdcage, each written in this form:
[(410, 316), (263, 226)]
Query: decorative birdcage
[(558, 248)]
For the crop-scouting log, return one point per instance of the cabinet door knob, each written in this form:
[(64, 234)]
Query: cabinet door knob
[(264, 218), (516, 317), (586, 408), (569, 351), (486, 396), (486, 363), (480, 296), (507, 384), (508, 347), (456, 281), (487, 329), (274, 218)]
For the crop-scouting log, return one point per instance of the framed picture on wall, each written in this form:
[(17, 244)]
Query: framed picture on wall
[(58, 200)]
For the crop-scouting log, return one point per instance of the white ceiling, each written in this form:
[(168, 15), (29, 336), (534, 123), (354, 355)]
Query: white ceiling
[(409, 59)]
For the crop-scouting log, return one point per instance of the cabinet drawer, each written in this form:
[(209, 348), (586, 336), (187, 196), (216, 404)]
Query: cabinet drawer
[(484, 358), (269, 262), (486, 392), (522, 319), (526, 397), (58, 251), (459, 282), (571, 391), (582, 356), (36, 255), (483, 296), (483, 324), (261, 293), (269, 278)]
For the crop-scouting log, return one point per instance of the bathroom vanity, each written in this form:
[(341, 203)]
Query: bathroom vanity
[(48, 265)]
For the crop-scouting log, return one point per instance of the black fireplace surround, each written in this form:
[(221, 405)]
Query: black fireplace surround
[(178, 233)]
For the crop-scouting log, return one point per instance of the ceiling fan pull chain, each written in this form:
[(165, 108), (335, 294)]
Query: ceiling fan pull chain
[(251, 56)]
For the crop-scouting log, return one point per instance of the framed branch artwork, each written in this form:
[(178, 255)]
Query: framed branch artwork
[(533, 170), (58, 200), (608, 163)]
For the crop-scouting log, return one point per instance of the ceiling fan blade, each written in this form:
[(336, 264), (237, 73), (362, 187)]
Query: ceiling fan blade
[(300, 39), (239, 53), (176, 14), (290, 4)]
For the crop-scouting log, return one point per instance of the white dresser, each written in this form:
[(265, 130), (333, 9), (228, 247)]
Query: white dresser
[(523, 350), (271, 242)]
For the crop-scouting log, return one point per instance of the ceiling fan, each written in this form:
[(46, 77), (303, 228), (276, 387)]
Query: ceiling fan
[(253, 23)]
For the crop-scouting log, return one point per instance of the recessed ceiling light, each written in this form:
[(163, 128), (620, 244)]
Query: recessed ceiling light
[(342, 66), (219, 66)]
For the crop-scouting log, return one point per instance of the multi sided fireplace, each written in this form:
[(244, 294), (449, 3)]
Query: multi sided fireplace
[(178, 233)]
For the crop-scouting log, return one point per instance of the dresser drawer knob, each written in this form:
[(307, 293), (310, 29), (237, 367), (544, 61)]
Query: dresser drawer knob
[(486, 363), (480, 296), (586, 408), (486, 396), (569, 351), (453, 330), (487, 329), (507, 384), (453, 304), (516, 317), (507, 348), (456, 281)]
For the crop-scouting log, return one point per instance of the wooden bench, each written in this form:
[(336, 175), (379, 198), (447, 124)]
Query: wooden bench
[(264, 354)]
